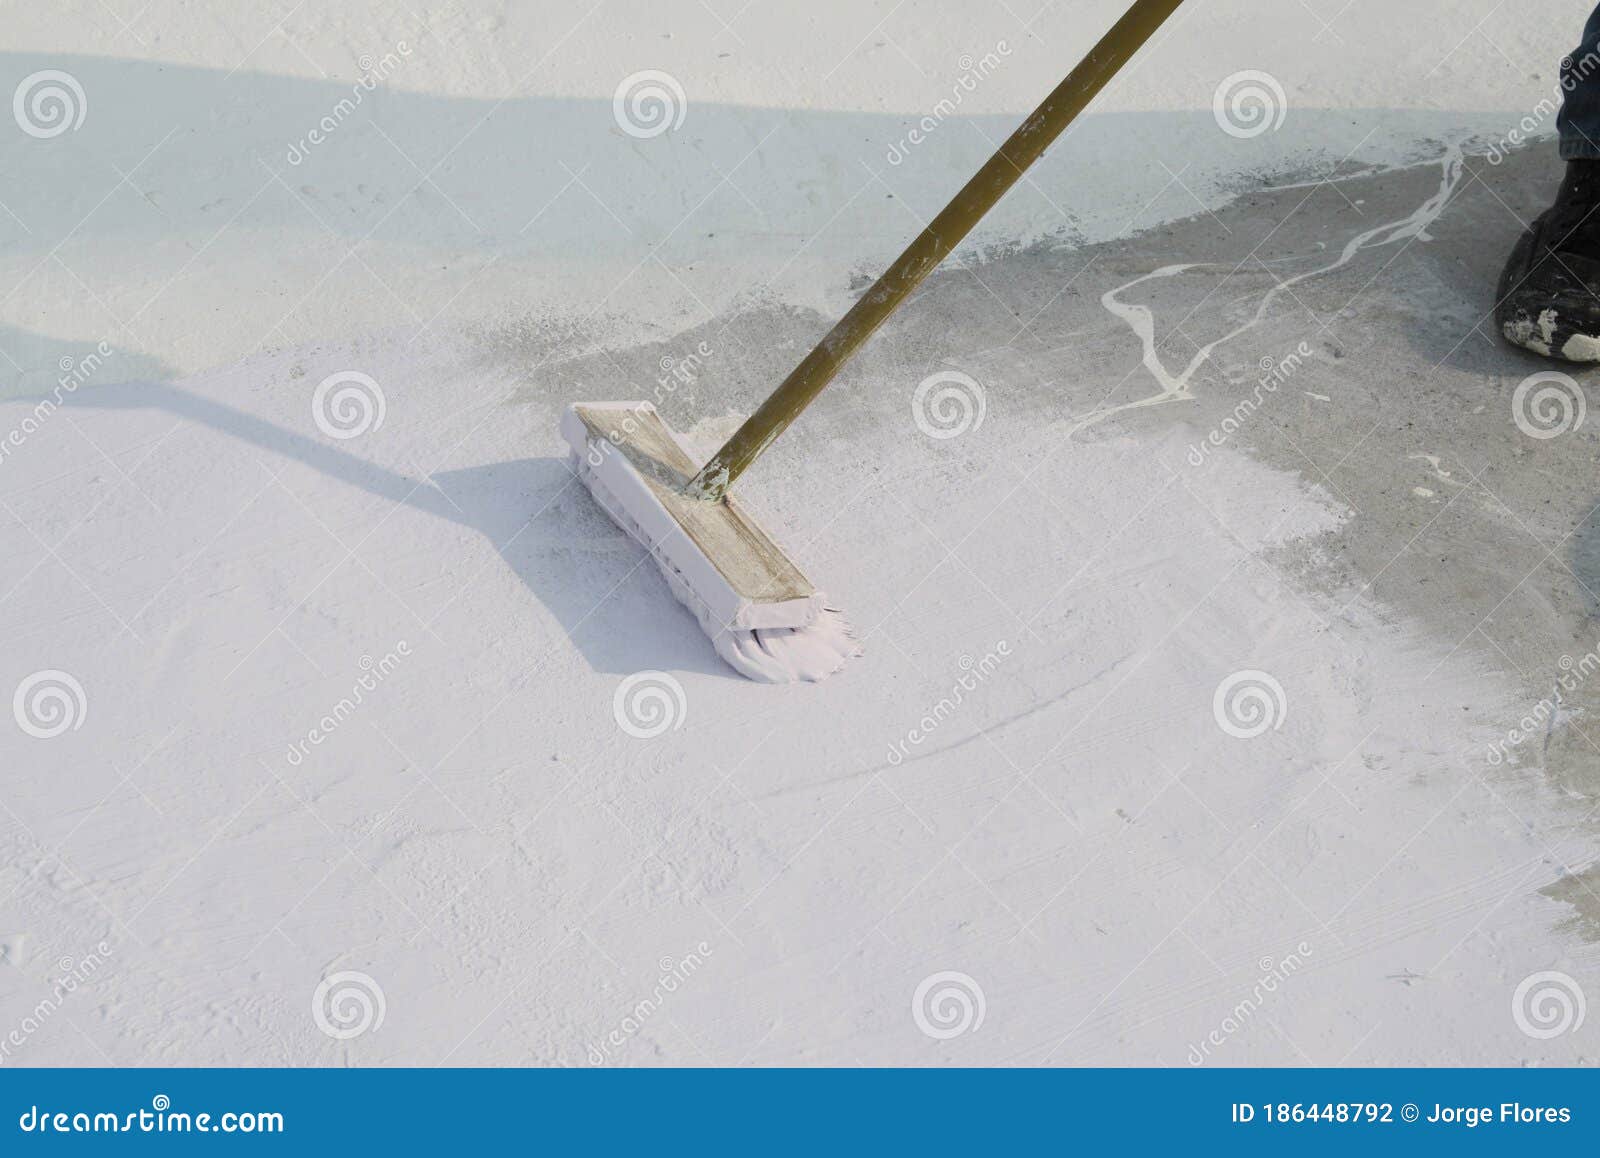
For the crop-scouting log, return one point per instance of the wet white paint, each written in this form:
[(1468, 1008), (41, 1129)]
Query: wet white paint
[(1175, 385)]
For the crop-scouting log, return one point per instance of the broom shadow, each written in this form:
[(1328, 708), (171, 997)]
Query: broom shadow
[(533, 510)]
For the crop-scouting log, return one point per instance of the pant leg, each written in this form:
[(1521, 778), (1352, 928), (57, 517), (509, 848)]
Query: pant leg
[(1578, 123)]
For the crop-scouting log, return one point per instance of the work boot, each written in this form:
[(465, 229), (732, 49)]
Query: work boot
[(1548, 300)]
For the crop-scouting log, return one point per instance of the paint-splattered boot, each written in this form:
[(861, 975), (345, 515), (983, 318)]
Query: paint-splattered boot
[(1548, 300)]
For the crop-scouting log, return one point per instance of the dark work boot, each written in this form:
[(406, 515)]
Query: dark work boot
[(1548, 300)]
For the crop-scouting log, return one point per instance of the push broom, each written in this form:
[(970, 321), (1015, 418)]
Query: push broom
[(764, 617)]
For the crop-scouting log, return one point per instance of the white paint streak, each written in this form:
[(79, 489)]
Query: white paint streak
[(1175, 386)]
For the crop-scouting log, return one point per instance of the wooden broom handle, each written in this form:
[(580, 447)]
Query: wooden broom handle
[(932, 246)]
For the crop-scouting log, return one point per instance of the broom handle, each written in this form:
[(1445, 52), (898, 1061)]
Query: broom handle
[(932, 246)]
